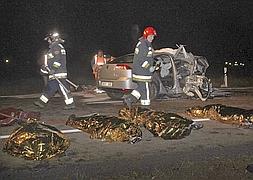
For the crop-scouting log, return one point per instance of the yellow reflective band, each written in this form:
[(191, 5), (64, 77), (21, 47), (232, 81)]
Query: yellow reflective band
[(57, 64), (145, 64)]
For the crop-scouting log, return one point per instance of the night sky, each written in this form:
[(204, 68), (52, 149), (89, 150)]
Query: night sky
[(219, 30)]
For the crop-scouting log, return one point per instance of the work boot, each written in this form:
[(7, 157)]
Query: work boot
[(129, 100), (40, 104), (69, 106)]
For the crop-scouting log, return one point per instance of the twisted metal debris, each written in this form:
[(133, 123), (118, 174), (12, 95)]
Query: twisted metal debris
[(36, 141), (223, 113), (107, 128), (162, 124)]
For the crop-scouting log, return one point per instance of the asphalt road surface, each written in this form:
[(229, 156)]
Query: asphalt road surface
[(217, 151)]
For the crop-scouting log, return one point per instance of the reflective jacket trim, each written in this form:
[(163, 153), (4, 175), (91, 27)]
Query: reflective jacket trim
[(142, 77), (99, 60), (145, 64), (61, 46), (43, 71), (150, 54), (58, 75), (136, 51), (56, 64), (45, 60), (50, 56)]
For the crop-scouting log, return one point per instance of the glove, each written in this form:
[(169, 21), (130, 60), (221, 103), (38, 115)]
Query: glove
[(158, 62), (51, 72), (152, 69)]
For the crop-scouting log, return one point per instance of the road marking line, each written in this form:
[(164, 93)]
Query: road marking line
[(66, 131), (201, 119), (104, 102)]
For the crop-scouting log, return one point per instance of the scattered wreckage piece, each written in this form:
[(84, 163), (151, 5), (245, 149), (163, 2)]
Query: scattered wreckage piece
[(10, 115), (36, 141), (223, 113), (107, 128), (162, 124)]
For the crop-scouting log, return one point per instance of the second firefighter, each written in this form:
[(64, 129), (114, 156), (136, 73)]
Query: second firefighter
[(142, 69), (55, 66)]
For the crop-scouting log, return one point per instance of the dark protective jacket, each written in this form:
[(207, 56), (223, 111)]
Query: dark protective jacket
[(143, 60), (56, 60)]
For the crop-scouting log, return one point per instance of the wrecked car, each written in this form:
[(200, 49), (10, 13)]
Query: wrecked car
[(178, 73)]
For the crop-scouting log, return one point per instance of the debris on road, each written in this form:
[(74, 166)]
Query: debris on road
[(10, 115)]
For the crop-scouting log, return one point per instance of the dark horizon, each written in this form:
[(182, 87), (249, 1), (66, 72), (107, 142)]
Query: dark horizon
[(219, 30)]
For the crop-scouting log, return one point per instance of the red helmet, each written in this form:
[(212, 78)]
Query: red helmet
[(149, 31)]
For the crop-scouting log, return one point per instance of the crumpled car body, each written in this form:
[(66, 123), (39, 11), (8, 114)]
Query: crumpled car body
[(178, 73)]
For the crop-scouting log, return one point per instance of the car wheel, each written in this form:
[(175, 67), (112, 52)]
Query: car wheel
[(115, 94), (153, 90)]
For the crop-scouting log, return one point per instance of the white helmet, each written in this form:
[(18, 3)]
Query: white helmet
[(55, 36)]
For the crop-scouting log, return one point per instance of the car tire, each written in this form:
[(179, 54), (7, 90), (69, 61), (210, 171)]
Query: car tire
[(115, 95)]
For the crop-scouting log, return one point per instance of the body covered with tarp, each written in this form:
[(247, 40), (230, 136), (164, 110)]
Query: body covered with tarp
[(223, 113), (107, 128), (36, 141), (162, 124)]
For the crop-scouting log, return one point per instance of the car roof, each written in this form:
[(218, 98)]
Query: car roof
[(128, 58)]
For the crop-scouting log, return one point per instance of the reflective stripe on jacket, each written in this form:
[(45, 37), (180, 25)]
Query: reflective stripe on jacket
[(143, 60)]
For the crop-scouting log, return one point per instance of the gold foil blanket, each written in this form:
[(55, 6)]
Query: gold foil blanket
[(223, 113), (162, 124), (36, 141), (107, 128)]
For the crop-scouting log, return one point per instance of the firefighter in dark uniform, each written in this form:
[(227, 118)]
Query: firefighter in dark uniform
[(55, 66), (142, 69)]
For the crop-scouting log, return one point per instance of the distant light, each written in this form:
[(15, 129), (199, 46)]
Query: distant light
[(230, 64), (226, 62), (55, 34), (7, 61)]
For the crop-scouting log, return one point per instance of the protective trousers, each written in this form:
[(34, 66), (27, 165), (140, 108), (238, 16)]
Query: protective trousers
[(143, 90), (52, 87)]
